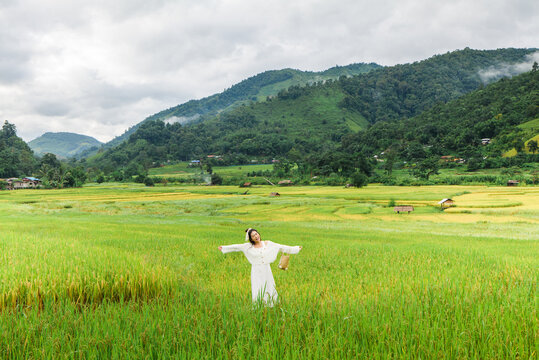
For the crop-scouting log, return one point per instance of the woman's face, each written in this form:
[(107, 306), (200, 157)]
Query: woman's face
[(255, 236)]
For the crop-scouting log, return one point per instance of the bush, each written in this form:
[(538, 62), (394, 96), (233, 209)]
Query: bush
[(216, 179), (359, 179), (148, 181)]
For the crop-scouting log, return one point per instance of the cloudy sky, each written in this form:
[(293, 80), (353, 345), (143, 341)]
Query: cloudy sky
[(98, 67)]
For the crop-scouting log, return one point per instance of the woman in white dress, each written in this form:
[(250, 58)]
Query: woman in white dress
[(261, 254)]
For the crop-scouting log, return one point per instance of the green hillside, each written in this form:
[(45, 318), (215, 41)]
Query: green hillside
[(63, 144), (505, 112), (528, 131), (255, 88), (313, 119)]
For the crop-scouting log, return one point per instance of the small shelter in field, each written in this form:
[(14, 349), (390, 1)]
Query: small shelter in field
[(403, 208), (247, 184), (445, 203), (285, 182), (275, 194), (512, 182)]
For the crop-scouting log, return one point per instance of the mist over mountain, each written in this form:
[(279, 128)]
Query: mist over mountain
[(255, 88)]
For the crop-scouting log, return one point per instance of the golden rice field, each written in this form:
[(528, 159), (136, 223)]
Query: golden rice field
[(125, 271)]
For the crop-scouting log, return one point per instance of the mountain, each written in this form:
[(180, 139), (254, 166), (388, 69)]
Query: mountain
[(63, 144), (255, 88), (314, 118), (505, 112)]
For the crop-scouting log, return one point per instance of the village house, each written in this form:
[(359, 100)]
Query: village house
[(24, 183)]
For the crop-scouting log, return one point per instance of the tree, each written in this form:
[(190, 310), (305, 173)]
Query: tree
[(389, 163), (532, 144), (518, 144), (216, 179), (8, 130), (50, 160), (426, 168), (473, 164), (148, 181), (359, 179)]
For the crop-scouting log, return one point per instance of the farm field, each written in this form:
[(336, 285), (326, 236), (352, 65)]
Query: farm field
[(127, 271), (183, 170)]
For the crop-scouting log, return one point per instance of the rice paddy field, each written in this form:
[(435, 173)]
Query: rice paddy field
[(117, 271)]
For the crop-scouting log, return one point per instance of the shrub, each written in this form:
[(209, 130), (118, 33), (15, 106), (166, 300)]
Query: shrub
[(359, 179), (148, 181), (216, 179)]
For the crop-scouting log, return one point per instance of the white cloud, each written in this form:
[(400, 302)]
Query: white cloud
[(502, 70), (99, 67)]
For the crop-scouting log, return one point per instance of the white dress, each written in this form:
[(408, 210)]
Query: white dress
[(262, 282)]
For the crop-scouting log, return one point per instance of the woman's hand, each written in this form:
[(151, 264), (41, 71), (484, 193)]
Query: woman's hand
[(220, 248)]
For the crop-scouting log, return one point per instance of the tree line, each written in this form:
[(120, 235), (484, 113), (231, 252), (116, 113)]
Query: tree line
[(18, 160)]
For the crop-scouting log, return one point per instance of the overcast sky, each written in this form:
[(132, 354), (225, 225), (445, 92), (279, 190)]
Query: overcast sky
[(98, 67)]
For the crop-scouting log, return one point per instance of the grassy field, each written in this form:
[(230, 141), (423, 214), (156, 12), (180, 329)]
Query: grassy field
[(127, 271), (182, 170)]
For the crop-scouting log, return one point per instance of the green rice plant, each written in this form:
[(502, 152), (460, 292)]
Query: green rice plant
[(134, 272)]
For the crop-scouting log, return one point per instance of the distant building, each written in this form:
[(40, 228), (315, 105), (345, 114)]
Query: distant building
[(275, 194), (447, 158), (403, 208), (485, 141), (285, 182), (24, 183), (512, 182), (445, 203)]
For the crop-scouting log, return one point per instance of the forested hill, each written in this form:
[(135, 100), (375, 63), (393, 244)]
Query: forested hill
[(16, 158), (401, 91), (314, 118), (255, 88), (496, 112), (62, 144)]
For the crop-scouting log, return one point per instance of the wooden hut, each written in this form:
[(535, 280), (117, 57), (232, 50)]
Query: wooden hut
[(275, 194), (445, 203), (403, 208), (512, 182)]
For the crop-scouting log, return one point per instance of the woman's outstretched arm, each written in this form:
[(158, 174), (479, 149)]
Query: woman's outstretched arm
[(231, 248), (289, 249)]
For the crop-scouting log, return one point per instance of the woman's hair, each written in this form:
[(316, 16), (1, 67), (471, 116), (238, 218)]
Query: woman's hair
[(249, 231)]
